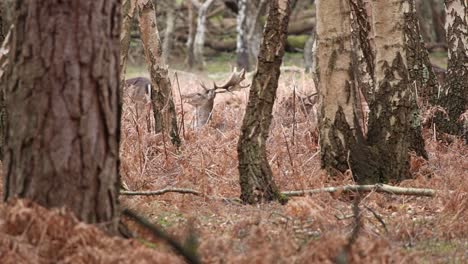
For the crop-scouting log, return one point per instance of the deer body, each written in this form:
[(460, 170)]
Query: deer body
[(139, 91)]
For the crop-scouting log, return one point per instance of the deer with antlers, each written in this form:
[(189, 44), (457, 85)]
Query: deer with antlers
[(204, 101)]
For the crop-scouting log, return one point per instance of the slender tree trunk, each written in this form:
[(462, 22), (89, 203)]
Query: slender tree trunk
[(308, 52), (255, 26), (242, 44), (438, 20), (128, 13), (168, 33), (62, 100), (161, 95), (199, 41), (421, 75), (256, 179), (191, 34), (3, 59), (390, 112), (338, 108), (454, 96)]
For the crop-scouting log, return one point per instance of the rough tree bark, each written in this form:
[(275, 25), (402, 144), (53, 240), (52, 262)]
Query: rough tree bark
[(161, 95), (242, 44), (390, 112), (63, 108), (256, 179), (338, 120), (199, 41), (454, 96)]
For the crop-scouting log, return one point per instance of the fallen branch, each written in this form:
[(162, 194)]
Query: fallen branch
[(189, 256), (383, 188), (162, 191)]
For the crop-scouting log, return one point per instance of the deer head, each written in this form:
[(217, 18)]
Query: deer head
[(203, 101)]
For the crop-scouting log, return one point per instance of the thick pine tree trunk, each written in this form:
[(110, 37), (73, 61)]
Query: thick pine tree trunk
[(454, 96), (242, 44), (336, 86), (63, 102), (390, 112), (256, 179), (161, 95)]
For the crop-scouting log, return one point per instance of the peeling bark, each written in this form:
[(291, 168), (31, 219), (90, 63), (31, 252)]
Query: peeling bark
[(63, 108), (336, 86), (454, 96), (390, 112), (255, 175), (161, 95)]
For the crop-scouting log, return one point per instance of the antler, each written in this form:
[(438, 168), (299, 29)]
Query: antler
[(233, 83)]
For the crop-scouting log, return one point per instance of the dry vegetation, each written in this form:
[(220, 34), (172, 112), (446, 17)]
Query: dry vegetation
[(395, 229)]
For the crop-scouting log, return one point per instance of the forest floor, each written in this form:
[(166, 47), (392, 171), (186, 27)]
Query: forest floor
[(313, 229)]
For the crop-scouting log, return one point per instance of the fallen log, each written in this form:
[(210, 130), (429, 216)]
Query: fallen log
[(162, 191), (382, 188)]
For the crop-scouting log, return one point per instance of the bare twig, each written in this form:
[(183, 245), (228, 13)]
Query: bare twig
[(378, 217), (189, 256), (181, 107), (162, 191), (383, 188)]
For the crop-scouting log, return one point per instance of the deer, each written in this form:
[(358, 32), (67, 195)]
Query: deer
[(139, 91), (203, 101)]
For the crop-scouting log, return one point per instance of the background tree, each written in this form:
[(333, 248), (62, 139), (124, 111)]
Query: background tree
[(390, 112), (128, 13), (454, 95), (338, 120), (62, 92), (255, 175), (161, 96), (242, 31), (199, 39)]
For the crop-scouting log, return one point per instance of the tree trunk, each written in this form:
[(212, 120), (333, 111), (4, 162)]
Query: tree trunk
[(338, 120), (168, 33), (421, 74), (255, 26), (161, 95), (308, 52), (3, 59), (242, 44), (62, 98), (454, 96), (199, 41), (191, 34), (390, 112), (128, 13), (255, 174)]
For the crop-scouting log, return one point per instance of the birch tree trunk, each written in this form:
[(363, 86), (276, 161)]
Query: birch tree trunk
[(255, 25), (242, 44), (255, 175), (454, 96), (199, 41), (62, 90), (337, 123), (390, 112), (161, 95)]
